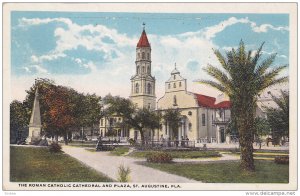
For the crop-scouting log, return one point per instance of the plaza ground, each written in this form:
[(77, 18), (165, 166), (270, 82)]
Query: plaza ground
[(79, 164)]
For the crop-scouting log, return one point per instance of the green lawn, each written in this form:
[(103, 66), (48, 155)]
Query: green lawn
[(28, 164), (266, 172), (119, 151), (270, 155), (179, 154)]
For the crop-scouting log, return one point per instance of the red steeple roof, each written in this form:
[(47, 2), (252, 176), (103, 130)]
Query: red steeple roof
[(143, 42)]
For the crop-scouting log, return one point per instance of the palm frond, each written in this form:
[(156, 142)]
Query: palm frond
[(268, 82), (273, 73), (220, 76), (222, 60), (249, 55), (262, 68), (241, 52), (257, 54), (282, 101)]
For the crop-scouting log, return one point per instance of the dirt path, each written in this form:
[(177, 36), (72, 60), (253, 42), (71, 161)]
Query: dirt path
[(108, 165)]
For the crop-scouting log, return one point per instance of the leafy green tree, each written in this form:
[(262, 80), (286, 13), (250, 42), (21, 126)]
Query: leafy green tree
[(278, 118), (137, 118), (172, 117), (262, 128), (18, 120), (87, 110), (242, 76)]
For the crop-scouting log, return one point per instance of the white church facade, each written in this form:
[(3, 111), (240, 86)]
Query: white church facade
[(203, 118)]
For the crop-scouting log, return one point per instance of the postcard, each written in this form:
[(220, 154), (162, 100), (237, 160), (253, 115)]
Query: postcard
[(150, 96)]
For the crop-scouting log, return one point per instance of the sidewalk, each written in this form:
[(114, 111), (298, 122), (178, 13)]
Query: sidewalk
[(233, 146), (108, 165)]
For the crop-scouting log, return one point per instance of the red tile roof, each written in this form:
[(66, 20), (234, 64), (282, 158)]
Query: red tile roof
[(207, 101), (223, 104), (143, 42)]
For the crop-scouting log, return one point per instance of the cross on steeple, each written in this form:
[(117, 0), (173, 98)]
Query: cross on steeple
[(144, 25)]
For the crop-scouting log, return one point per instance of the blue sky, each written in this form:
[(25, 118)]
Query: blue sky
[(95, 52)]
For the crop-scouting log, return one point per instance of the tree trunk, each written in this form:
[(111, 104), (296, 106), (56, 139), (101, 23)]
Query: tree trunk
[(245, 125), (247, 161), (142, 137), (66, 137)]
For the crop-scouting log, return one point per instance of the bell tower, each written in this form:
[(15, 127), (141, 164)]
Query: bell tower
[(143, 83)]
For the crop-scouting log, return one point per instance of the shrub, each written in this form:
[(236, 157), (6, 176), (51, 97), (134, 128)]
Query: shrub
[(54, 147), (159, 157), (35, 142), (282, 159), (123, 174)]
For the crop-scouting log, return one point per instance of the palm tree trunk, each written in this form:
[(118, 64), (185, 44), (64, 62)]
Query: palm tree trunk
[(245, 125), (246, 145)]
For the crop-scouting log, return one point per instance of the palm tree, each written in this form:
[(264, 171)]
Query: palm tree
[(278, 118), (242, 77)]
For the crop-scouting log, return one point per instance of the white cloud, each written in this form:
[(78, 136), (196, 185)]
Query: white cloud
[(283, 56), (34, 59), (212, 31), (51, 56), (77, 60), (27, 70), (36, 68), (264, 28), (89, 37), (23, 22), (39, 69), (90, 65)]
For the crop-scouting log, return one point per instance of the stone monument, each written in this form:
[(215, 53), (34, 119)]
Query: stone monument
[(35, 124)]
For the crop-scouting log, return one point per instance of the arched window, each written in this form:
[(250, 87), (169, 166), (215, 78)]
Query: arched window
[(149, 88), (174, 85), (139, 55), (138, 69), (143, 55), (174, 76), (179, 84), (137, 88), (143, 69), (169, 86), (148, 56), (174, 100)]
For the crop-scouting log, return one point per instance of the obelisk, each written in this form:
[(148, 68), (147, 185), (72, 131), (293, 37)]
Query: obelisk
[(35, 124)]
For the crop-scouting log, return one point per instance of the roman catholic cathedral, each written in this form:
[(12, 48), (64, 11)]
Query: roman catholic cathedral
[(203, 118)]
